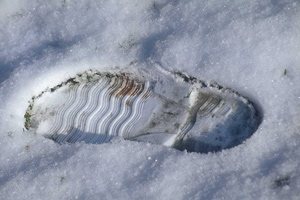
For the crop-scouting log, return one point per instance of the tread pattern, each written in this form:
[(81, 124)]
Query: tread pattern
[(104, 109), (100, 107)]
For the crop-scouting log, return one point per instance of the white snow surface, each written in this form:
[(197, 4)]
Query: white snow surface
[(251, 46)]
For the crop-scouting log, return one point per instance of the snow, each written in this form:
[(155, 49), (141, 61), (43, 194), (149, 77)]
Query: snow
[(252, 47)]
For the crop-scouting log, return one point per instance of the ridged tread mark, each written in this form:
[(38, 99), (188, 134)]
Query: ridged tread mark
[(126, 108), (89, 116), (90, 107), (120, 97), (111, 105), (116, 105), (132, 110), (91, 125), (76, 115), (137, 110), (111, 130), (65, 118), (69, 128), (212, 106), (102, 107), (129, 102), (89, 110), (221, 109), (52, 133)]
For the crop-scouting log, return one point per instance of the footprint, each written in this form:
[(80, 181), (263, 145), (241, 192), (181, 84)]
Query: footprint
[(174, 110)]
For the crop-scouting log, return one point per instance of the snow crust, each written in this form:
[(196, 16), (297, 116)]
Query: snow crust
[(252, 47)]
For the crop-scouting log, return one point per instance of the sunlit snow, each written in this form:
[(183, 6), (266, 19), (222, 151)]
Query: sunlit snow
[(251, 46)]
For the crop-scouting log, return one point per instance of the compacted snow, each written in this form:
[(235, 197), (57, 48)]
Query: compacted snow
[(252, 47)]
